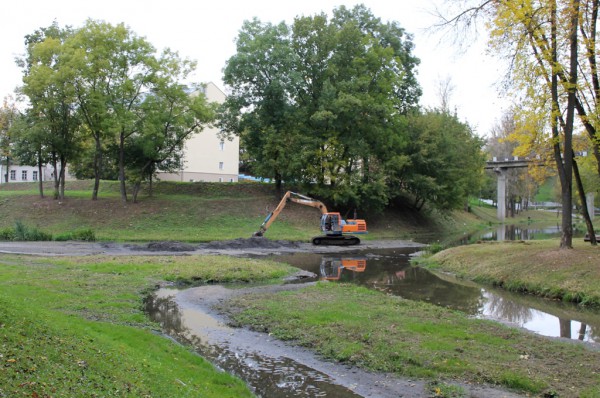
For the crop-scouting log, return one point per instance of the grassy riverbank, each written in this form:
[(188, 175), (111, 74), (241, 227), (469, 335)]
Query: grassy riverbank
[(535, 267), (75, 327), (201, 212), (385, 333)]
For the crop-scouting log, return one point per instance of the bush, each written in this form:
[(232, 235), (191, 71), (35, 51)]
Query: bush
[(7, 234), (25, 233), (85, 235)]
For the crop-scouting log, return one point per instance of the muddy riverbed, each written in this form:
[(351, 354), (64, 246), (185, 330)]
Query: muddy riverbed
[(235, 247)]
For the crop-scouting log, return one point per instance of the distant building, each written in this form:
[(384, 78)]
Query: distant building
[(18, 173), (206, 156)]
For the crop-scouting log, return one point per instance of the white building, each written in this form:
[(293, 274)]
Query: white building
[(18, 173), (206, 156)]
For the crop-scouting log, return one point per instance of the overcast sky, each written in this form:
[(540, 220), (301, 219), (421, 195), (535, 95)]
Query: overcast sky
[(205, 31)]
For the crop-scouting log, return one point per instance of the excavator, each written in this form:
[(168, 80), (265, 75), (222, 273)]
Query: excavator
[(331, 267), (336, 230)]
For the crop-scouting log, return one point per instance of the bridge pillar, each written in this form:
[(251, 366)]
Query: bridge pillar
[(589, 198), (501, 188)]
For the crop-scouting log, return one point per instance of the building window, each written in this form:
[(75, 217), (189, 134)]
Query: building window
[(222, 145), (221, 166), (24, 175), (34, 175), (13, 175)]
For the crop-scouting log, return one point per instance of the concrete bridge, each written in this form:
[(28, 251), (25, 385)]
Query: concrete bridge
[(500, 167)]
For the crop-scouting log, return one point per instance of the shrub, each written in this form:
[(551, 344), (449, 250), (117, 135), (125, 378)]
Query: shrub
[(85, 235), (7, 234), (25, 233)]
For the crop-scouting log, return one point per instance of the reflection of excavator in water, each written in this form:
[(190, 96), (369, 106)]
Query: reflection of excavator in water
[(331, 267), (335, 228)]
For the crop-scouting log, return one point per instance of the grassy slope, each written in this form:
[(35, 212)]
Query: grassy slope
[(537, 267), (197, 212), (74, 327)]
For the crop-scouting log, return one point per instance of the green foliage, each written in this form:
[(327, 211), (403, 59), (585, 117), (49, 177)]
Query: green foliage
[(446, 161), (25, 233), (7, 234), (103, 101), (86, 235), (319, 104)]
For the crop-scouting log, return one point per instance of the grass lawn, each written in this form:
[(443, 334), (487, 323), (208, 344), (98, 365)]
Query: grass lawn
[(536, 267), (386, 333), (74, 327)]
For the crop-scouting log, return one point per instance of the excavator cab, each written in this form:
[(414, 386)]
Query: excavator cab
[(331, 224)]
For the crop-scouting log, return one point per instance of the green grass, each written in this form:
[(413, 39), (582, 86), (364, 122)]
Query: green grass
[(535, 267), (385, 333), (75, 327)]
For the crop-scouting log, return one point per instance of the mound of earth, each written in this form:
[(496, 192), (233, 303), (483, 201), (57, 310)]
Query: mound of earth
[(166, 246), (250, 243)]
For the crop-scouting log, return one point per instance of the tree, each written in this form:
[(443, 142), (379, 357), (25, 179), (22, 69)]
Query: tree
[(540, 38), (446, 161), (172, 115), (30, 146), (8, 115), (111, 69), (47, 84), (317, 103)]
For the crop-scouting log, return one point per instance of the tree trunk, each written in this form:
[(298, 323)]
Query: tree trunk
[(122, 167), (136, 190), (7, 170), (97, 167), (40, 178), (584, 211), (56, 194), (61, 178)]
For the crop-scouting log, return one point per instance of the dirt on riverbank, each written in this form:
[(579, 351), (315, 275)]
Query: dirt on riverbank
[(235, 247)]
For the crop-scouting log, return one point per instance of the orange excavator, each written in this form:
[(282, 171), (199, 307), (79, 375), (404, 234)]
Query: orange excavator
[(336, 230), (331, 267)]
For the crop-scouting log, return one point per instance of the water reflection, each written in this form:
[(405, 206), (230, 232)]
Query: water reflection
[(390, 271), (332, 267)]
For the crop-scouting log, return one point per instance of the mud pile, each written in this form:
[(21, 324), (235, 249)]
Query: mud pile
[(250, 243), (166, 246)]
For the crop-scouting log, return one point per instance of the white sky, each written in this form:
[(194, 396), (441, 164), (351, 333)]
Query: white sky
[(205, 31)]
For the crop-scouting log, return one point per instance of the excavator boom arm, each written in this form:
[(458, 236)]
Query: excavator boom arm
[(293, 197)]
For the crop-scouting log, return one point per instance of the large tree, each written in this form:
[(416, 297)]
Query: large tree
[(320, 102), (52, 99), (112, 69), (551, 46)]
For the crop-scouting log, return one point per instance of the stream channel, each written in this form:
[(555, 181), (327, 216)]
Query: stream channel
[(275, 369)]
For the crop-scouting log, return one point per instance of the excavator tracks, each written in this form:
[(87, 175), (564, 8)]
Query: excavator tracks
[(338, 240)]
